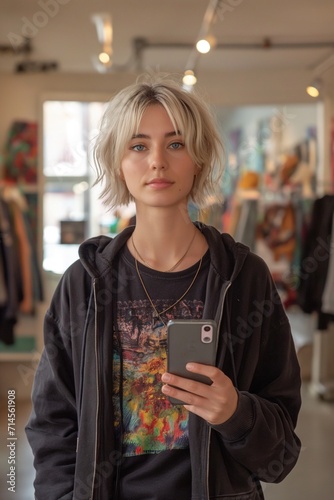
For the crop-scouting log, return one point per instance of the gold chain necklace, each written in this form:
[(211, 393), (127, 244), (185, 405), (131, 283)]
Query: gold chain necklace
[(175, 265), (159, 313)]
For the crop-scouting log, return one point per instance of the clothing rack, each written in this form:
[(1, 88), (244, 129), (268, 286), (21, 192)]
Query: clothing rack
[(316, 293), (20, 279)]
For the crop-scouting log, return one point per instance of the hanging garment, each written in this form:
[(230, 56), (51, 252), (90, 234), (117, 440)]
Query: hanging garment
[(245, 231), (20, 282), (3, 287), (315, 260), (278, 229), (24, 253), (20, 153), (9, 310), (328, 295)]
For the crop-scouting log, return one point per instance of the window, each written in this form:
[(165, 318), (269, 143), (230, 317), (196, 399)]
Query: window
[(72, 210)]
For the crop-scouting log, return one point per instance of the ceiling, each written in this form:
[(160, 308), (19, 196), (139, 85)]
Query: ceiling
[(61, 31)]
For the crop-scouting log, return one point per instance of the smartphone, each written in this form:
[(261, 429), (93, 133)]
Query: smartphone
[(190, 340)]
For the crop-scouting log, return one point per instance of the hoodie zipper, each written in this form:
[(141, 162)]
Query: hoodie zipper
[(97, 389), (221, 306)]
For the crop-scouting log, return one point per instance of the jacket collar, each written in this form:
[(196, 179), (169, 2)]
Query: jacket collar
[(227, 256)]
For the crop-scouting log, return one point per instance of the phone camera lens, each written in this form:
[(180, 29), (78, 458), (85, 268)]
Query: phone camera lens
[(207, 328)]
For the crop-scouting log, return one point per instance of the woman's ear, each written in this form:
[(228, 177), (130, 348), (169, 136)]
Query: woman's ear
[(195, 177), (197, 170)]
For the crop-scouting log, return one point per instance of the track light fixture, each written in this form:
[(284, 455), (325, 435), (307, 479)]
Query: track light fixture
[(104, 57), (189, 79), (204, 45), (104, 31), (314, 88), (205, 42)]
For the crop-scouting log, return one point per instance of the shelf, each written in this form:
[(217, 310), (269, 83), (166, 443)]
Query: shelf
[(19, 356), (24, 349), (29, 188)]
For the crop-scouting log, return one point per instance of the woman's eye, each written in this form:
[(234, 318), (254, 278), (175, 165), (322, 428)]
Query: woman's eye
[(138, 147), (176, 145)]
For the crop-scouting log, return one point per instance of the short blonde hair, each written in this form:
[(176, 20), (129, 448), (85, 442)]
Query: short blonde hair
[(189, 114)]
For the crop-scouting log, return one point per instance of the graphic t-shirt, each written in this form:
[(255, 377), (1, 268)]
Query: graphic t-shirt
[(154, 432)]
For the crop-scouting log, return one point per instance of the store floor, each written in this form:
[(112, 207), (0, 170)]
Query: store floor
[(312, 478)]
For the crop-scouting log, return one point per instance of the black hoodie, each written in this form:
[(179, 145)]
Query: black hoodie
[(72, 442)]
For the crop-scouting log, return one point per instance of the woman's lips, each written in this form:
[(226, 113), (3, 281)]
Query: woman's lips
[(159, 183)]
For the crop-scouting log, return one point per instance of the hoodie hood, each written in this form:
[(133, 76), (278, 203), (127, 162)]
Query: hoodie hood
[(97, 253), (230, 257)]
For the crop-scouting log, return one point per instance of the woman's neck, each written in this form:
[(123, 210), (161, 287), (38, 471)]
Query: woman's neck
[(162, 239)]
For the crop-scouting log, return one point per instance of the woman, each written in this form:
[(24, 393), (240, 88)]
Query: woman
[(102, 425)]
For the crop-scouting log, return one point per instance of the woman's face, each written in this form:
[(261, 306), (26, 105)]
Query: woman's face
[(156, 166)]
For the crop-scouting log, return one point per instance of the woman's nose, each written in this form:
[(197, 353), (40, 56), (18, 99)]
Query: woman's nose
[(158, 160)]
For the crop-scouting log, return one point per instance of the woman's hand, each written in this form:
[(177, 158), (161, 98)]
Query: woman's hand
[(215, 403)]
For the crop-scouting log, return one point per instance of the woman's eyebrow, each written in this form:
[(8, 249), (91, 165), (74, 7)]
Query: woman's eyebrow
[(145, 136)]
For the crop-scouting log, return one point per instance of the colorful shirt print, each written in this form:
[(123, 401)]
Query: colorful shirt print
[(150, 422)]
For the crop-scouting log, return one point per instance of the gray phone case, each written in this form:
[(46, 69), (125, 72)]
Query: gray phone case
[(185, 344)]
